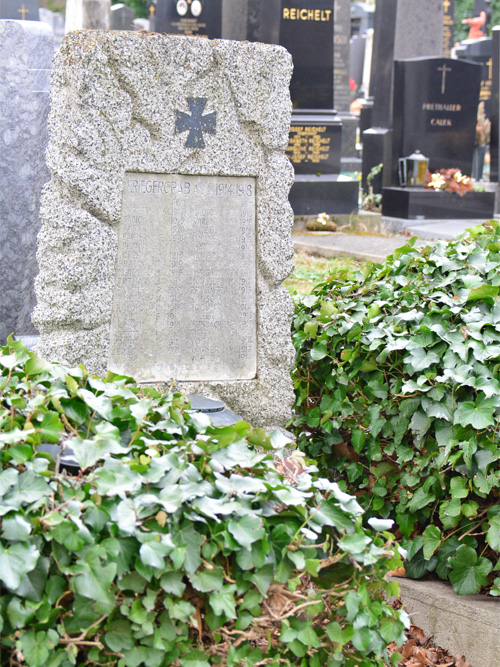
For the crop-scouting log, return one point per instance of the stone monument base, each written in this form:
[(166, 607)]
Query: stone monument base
[(329, 193), (419, 203)]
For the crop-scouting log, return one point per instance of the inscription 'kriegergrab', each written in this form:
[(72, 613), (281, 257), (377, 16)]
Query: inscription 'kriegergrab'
[(184, 304)]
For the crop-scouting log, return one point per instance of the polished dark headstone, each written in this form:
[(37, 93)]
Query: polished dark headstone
[(306, 31), (315, 144), (435, 111), (495, 108), (420, 203), (357, 58), (20, 10), (448, 27), (311, 195), (202, 18)]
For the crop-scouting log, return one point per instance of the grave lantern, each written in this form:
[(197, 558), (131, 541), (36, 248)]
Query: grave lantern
[(412, 169)]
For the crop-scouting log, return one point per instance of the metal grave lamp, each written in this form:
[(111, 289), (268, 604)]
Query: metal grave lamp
[(412, 169)]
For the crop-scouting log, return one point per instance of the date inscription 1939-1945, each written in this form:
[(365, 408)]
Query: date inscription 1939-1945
[(196, 123)]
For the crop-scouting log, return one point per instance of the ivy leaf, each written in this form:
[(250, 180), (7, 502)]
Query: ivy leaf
[(478, 414), (16, 561), (432, 539), (468, 571), (483, 293), (94, 582), (246, 530), (35, 648), (206, 581), (420, 360), (493, 534), (223, 602)]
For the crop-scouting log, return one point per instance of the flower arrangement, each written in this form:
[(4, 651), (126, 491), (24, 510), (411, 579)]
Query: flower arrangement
[(451, 180), (323, 223)]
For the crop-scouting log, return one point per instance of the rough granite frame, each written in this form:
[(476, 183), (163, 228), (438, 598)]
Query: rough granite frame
[(114, 97)]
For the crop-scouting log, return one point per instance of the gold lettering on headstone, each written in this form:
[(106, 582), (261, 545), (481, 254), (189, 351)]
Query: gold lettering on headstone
[(308, 144), (441, 122), (295, 14)]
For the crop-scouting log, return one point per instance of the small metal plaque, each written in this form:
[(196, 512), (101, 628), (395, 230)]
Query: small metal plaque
[(184, 304)]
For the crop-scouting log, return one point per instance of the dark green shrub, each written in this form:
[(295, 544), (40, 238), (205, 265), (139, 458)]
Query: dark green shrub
[(178, 543), (398, 394)]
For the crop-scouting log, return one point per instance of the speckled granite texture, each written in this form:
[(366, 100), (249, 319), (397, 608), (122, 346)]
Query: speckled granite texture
[(26, 49), (114, 98)]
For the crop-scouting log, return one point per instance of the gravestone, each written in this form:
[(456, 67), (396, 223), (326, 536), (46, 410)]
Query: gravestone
[(201, 18), (20, 10), (252, 20), (88, 15), (26, 50), (164, 244), (435, 112), (403, 29), (122, 17), (341, 51), (448, 27), (495, 107), (56, 22)]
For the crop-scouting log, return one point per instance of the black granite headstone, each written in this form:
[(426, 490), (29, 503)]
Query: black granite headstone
[(448, 27), (306, 31), (315, 145), (20, 10), (202, 18), (495, 108), (435, 111)]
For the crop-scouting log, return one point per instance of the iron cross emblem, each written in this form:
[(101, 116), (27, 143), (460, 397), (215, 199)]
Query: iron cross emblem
[(196, 123)]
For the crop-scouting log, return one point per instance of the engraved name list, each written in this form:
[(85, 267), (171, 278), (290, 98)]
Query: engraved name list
[(184, 303)]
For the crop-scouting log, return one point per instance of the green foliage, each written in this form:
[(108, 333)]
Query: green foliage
[(179, 543), (398, 393)]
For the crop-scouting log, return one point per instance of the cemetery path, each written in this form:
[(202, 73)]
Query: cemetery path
[(375, 247)]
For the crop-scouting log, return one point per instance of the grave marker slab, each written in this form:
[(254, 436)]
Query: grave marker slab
[(122, 17), (20, 10), (162, 255), (435, 111), (26, 49)]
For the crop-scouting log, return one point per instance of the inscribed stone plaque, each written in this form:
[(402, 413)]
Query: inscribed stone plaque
[(184, 304)]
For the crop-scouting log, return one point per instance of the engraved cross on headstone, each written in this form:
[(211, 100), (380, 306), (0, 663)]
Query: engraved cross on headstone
[(23, 11), (196, 123), (443, 69)]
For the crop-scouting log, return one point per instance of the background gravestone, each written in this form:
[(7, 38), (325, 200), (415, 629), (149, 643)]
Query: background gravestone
[(19, 10), (435, 111), (56, 22), (341, 70), (122, 17), (201, 18), (88, 15), (403, 29), (26, 49), (142, 219), (448, 27)]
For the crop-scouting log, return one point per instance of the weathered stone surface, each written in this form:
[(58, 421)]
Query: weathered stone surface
[(118, 101), (184, 298), (26, 49)]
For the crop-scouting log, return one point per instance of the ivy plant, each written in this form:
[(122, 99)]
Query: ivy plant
[(398, 396), (175, 542)]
